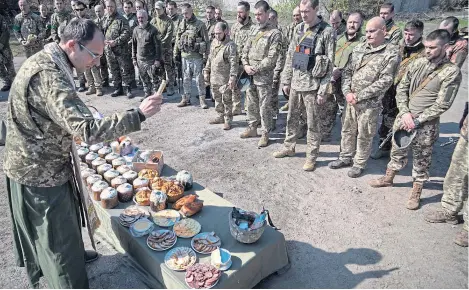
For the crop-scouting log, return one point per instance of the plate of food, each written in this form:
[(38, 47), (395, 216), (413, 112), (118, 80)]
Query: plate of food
[(180, 258), (141, 228), (132, 214), (161, 240), (187, 228), (166, 218), (205, 243), (202, 276)]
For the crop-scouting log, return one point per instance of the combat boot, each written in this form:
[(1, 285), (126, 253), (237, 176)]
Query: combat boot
[(128, 92), (380, 153), (105, 83), (217, 120), (251, 131), (285, 152), (384, 181), (90, 91), (309, 165), (203, 105), (99, 92), (264, 141), (184, 101), (339, 163), (117, 92), (284, 108), (82, 88), (461, 238), (414, 198), (355, 172), (441, 216), (170, 91)]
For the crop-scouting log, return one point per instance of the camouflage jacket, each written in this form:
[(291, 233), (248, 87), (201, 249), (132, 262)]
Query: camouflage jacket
[(344, 48), (261, 51), (197, 28), (370, 72), (210, 25), (165, 27), (131, 19), (4, 33), (240, 33), (116, 28), (222, 63), (394, 33), (58, 21), (319, 78), (46, 25), (44, 113), (428, 89), (457, 50), (25, 25), (99, 22), (146, 44), (176, 18), (290, 32), (408, 55), (280, 64)]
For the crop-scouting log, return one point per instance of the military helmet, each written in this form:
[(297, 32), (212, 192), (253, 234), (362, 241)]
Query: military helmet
[(403, 138)]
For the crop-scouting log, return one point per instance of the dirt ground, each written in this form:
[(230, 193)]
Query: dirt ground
[(340, 232)]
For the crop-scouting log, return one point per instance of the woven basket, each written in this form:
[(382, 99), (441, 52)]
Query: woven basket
[(245, 236)]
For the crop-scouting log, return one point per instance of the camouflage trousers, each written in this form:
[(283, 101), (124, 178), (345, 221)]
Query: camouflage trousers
[(93, 77), (259, 103), (30, 50), (304, 104), (328, 115), (149, 74), (236, 97), (422, 149), (103, 69), (7, 68), (168, 66), (192, 68), (274, 102), (358, 129), (389, 114), (81, 78), (120, 65), (455, 184), (223, 102)]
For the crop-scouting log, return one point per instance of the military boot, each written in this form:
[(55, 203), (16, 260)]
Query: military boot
[(251, 131), (105, 83), (82, 88), (461, 238), (203, 104), (99, 92), (128, 92), (284, 108), (118, 92), (380, 153), (414, 198), (90, 91), (217, 120), (170, 90), (184, 101), (339, 163), (285, 152), (309, 165), (384, 181), (441, 216), (264, 141), (355, 172)]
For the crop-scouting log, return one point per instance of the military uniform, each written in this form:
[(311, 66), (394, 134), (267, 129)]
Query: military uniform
[(261, 52), (164, 25), (58, 22), (103, 67), (277, 71), (176, 18), (7, 69), (221, 68), (307, 83), (118, 57), (146, 49), (193, 44), (46, 25), (26, 25), (210, 26), (239, 34), (394, 32), (44, 113), (457, 50), (133, 22), (368, 74)]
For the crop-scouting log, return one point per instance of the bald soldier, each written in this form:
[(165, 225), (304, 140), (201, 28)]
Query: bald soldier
[(457, 48), (339, 25), (28, 29), (365, 79), (393, 32)]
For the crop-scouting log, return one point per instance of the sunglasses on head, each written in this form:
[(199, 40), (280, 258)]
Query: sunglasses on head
[(79, 9)]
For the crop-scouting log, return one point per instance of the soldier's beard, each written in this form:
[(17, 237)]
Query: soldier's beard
[(263, 25), (241, 19)]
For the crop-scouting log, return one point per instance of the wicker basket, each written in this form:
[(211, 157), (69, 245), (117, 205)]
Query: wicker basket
[(245, 236)]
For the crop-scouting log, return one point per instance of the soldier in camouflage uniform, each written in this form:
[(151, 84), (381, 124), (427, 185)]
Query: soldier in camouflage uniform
[(411, 48), (80, 12), (117, 35), (99, 12), (455, 189), (93, 74), (240, 32), (59, 20), (365, 79), (132, 20), (171, 10), (393, 32), (219, 15), (345, 43), (220, 73), (192, 48), (7, 69), (259, 58), (426, 91), (210, 21), (28, 29), (46, 25), (164, 26), (146, 53), (457, 49), (339, 25), (44, 114), (307, 84)]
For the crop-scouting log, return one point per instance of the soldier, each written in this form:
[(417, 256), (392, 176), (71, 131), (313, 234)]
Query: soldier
[(411, 48), (192, 48), (43, 116), (45, 20), (7, 69), (426, 91), (28, 29), (289, 33), (345, 43), (457, 48), (221, 74), (393, 32), (219, 15), (259, 58), (59, 20), (165, 28), (240, 32), (339, 25), (146, 53), (367, 76), (210, 21), (171, 9), (99, 12), (117, 34), (80, 12), (132, 20), (306, 81)]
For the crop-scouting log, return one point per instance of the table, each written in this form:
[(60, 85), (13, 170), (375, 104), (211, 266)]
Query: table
[(251, 262)]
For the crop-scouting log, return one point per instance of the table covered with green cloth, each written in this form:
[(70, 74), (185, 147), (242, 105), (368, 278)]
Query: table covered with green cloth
[(251, 262)]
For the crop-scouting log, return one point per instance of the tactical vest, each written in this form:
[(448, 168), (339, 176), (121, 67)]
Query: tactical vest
[(191, 41), (304, 56)]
